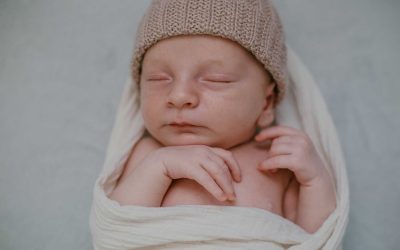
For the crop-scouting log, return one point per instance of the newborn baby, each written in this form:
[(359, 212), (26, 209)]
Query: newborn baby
[(208, 108)]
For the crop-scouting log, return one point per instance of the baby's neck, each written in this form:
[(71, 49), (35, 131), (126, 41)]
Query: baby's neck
[(251, 144)]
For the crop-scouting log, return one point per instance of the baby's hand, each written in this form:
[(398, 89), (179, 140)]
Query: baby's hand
[(211, 167), (291, 149)]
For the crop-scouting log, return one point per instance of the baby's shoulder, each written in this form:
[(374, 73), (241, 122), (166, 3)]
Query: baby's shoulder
[(146, 143)]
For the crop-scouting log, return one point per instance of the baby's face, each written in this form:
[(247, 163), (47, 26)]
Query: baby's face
[(201, 90)]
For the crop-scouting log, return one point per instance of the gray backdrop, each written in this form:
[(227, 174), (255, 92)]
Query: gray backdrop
[(63, 65)]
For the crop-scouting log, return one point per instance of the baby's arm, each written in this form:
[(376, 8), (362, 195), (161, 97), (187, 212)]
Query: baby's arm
[(151, 169), (310, 197), (309, 206), (133, 187)]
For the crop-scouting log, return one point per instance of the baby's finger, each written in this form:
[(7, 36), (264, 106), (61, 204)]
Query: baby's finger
[(201, 176), (276, 131), (283, 139), (221, 176), (231, 162), (280, 149), (277, 162)]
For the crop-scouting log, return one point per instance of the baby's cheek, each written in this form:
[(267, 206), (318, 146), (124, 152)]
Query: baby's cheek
[(149, 115), (242, 128), (246, 116)]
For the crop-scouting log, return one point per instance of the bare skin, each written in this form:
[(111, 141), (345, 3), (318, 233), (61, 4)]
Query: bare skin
[(202, 99), (255, 189)]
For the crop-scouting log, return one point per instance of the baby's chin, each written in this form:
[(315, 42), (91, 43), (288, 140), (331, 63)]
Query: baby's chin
[(193, 139), (188, 139)]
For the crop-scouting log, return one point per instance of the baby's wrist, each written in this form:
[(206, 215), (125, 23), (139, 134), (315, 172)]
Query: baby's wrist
[(153, 169), (320, 179)]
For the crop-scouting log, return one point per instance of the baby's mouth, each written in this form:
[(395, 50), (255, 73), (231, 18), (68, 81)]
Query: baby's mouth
[(182, 124)]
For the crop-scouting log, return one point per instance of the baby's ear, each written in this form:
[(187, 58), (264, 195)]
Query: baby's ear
[(267, 116)]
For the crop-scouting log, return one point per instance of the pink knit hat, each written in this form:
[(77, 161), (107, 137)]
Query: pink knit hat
[(254, 24)]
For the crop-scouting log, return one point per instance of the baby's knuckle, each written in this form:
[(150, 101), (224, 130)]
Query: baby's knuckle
[(296, 158), (274, 161), (218, 171), (202, 151), (228, 154), (273, 149), (202, 179), (216, 159), (208, 157), (298, 151), (303, 141), (274, 143)]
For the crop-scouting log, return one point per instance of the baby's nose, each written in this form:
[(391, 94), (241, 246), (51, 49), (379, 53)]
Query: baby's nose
[(183, 95)]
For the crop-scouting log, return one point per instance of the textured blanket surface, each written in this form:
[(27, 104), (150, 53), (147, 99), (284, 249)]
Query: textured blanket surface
[(219, 227)]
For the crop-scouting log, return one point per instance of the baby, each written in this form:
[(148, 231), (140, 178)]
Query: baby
[(208, 91)]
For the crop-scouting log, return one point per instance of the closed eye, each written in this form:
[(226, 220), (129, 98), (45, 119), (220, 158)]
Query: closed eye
[(156, 77), (219, 81), (217, 78)]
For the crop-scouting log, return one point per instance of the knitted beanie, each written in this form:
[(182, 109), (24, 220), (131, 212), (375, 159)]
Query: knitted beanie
[(254, 24)]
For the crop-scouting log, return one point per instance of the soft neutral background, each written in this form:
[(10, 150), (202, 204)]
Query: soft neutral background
[(63, 65)]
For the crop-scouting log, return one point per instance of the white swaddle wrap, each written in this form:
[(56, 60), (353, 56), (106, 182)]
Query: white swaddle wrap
[(219, 227)]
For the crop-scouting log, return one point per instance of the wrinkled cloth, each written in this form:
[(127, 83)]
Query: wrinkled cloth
[(219, 227)]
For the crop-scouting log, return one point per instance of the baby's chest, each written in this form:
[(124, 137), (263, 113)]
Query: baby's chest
[(256, 189), (260, 190)]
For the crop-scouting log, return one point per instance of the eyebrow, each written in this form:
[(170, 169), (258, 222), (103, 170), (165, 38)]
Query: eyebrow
[(213, 61), (208, 62), (221, 63)]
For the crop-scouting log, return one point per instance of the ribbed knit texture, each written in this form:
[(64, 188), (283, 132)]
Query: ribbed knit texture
[(254, 24)]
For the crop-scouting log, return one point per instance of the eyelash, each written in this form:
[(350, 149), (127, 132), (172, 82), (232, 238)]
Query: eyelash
[(220, 81), (217, 79), (157, 79)]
